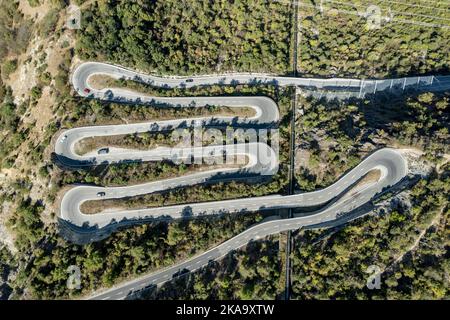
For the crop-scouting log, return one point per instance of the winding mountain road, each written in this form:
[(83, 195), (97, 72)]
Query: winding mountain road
[(345, 195), (393, 168)]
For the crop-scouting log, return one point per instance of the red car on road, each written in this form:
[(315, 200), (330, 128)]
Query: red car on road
[(86, 90)]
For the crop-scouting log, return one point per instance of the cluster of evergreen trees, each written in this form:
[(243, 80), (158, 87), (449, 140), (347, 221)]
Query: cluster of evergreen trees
[(252, 272), (337, 41), (123, 255), (185, 37), (335, 266), (339, 133)]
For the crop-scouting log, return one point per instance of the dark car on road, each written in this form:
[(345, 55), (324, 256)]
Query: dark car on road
[(103, 151), (180, 273)]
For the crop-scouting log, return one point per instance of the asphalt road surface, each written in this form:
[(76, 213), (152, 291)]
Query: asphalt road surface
[(392, 166), (85, 70), (343, 196)]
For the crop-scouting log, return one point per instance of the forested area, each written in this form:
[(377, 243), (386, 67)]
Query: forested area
[(249, 273), (331, 137), (7, 268), (337, 41), (423, 274), (12, 137), (123, 255), (338, 134), (186, 37), (334, 266)]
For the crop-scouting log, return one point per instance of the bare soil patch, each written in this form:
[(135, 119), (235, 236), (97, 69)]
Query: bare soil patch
[(100, 82), (372, 176)]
